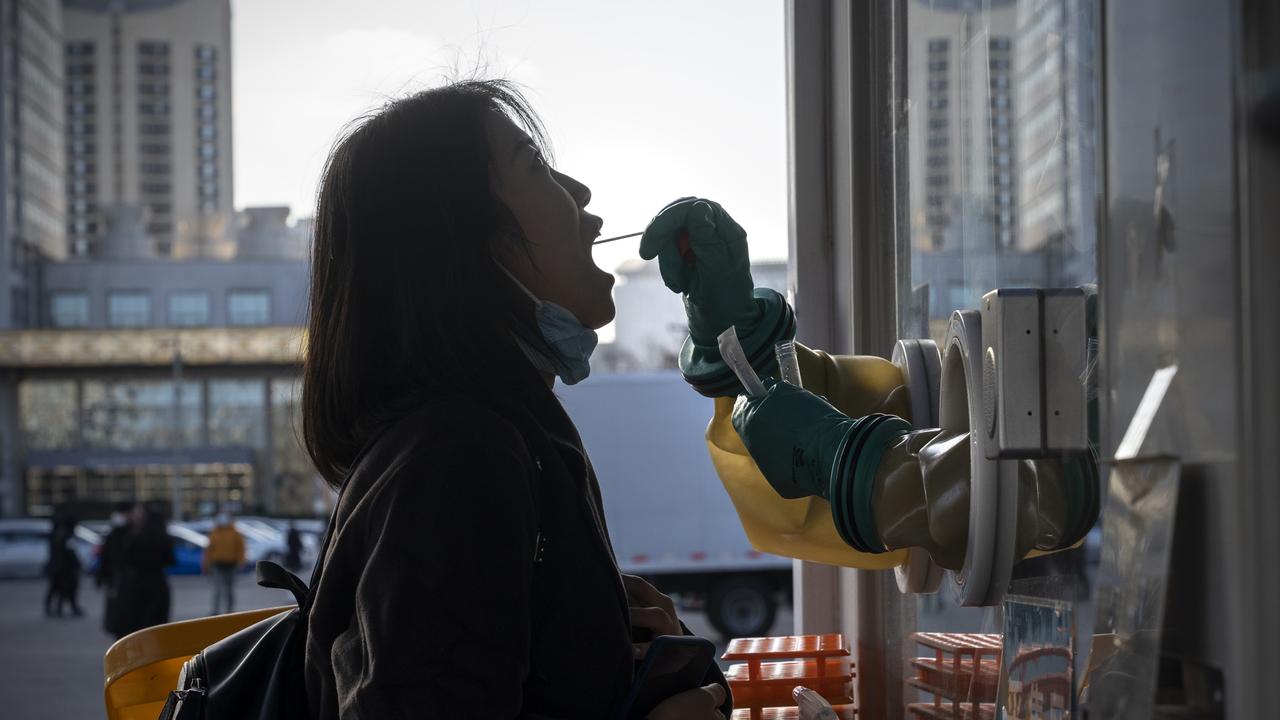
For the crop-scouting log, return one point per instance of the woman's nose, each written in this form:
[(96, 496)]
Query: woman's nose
[(579, 191)]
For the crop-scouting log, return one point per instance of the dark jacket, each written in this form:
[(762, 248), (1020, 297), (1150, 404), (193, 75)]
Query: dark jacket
[(144, 598), (470, 574)]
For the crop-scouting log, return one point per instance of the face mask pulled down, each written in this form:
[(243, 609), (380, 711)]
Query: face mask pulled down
[(571, 343)]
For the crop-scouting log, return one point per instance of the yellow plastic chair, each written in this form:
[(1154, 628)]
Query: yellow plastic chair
[(142, 667)]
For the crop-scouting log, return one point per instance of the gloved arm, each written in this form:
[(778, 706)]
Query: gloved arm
[(804, 446), (712, 271)]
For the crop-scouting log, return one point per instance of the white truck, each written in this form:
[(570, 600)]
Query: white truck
[(669, 517)]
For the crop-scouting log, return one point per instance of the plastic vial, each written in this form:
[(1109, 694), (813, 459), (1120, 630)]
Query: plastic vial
[(788, 365)]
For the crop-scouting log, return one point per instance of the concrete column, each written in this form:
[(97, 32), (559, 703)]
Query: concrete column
[(11, 485)]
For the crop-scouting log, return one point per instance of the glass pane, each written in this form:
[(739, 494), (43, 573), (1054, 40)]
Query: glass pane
[(1002, 178), (1002, 100), (189, 309), (294, 485), (139, 414), (128, 309), (236, 412), (69, 309), (248, 307), (48, 412)]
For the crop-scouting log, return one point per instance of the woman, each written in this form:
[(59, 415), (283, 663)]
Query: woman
[(470, 572)]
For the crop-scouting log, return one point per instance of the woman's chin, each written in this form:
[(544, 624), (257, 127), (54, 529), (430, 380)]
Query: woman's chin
[(602, 313)]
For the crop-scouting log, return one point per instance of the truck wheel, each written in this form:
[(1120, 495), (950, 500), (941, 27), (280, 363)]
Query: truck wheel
[(742, 607)]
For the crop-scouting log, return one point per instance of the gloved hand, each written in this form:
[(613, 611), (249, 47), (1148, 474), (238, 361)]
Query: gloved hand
[(805, 446), (794, 437), (716, 284), (713, 272)]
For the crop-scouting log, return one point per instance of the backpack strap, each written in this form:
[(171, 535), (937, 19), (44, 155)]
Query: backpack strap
[(271, 575)]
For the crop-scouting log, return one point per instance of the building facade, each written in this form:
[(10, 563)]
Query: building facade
[(148, 99), (32, 200), (150, 378)]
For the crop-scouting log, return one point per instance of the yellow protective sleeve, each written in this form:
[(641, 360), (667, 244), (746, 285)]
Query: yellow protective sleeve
[(802, 528)]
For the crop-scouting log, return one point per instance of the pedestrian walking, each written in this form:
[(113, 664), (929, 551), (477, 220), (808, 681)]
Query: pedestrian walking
[(63, 569), (222, 557), (111, 567), (293, 558), (144, 596)]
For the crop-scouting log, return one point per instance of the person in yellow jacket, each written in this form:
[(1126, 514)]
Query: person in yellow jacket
[(222, 557)]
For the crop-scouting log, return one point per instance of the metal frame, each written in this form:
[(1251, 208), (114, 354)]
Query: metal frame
[(1256, 535), (845, 120)]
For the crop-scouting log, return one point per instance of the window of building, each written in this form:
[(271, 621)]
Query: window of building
[(189, 308), (128, 309), (248, 307), (237, 412), (69, 309), (153, 48), (47, 413), (140, 414)]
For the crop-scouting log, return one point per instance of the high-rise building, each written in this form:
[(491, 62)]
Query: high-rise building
[(1056, 122), (962, 175), (148, 88), (32, 203)]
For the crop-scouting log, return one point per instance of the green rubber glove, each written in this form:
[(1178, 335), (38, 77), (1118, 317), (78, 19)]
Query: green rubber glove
[(804, 446), (716, 281), (794, 436)]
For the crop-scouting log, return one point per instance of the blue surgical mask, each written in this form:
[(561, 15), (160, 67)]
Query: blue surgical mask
[(571, 341)]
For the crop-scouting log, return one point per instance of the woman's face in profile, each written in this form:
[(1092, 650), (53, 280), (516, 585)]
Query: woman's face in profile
[(550, 208)]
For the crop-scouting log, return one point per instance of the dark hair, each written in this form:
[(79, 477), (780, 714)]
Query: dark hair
[(407, 297)]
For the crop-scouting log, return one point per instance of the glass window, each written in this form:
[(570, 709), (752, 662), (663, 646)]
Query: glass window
[(980, 240), (69, 309), (189, 308), (128, 308), (290, 457), (47, 412), (248, 307), (139, 414), (237, 412)]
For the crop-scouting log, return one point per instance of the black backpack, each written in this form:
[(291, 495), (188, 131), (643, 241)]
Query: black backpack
[(256, 673)]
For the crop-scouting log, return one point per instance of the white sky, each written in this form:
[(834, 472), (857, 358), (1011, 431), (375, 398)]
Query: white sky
[(644, 101)]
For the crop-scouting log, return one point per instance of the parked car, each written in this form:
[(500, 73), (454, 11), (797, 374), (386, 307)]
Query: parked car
[(24, 546), (188, 549), (311, 530)]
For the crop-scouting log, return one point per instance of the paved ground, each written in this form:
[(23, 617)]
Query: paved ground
[(52, 668)]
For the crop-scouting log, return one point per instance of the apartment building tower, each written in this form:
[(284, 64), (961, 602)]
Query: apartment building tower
[(32, 201), (148, 100)]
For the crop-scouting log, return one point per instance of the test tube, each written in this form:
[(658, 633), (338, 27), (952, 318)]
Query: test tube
[(788, 364)]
